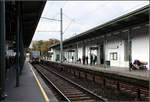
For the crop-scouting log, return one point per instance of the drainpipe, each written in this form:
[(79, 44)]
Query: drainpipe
[(2, 49)]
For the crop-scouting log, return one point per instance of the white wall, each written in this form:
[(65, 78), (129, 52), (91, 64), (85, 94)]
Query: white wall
[(93, 52), (55, 52), (80, 53), (140, 45), (116, 45), (140, 49)]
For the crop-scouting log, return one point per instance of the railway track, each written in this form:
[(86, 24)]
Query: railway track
[(109, 91), (69, 90)]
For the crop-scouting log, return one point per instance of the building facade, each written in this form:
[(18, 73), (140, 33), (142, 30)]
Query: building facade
[(119, 42)]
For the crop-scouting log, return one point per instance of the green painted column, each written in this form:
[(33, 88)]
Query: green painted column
[(21, 45), (17, 44), (2, 49), (129, 48), (21, 49)]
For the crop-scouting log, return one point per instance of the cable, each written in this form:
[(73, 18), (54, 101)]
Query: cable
[(47, 31), (90, 12), (68, 26), (73, 20), (50, 19)]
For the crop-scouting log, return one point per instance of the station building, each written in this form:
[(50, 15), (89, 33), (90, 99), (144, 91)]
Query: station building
[(116, 43)]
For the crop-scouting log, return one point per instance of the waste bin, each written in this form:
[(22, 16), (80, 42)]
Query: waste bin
[(107, 63)]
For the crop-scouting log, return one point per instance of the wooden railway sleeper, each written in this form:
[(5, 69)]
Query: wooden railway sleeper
[(88, 91), (74, 73), (79, 75), (138, 93), (104, 82), (118, 85), (53, 85), (94, 78), (76, 95), (86, 76), (79, 99)]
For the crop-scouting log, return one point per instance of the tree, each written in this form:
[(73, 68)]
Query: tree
[(28, 50), (43, 46)]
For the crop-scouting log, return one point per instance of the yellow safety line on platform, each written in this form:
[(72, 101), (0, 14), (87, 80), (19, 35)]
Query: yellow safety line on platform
[(41, 88)]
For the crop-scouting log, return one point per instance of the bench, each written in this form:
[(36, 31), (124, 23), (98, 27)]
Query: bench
[(142, 66)]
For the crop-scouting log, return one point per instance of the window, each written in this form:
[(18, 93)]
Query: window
[(113, 56)]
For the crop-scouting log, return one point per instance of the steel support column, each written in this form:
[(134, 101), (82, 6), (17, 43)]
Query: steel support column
[(61, 36), (68, 56), (104, 48), (83, 54), (2, 49), (98, 54), (90, 56), (76, 54), (129, 49), (17, 44)]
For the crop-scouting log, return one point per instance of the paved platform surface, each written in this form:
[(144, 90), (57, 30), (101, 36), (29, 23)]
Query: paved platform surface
[(28, 91), (140, 74)]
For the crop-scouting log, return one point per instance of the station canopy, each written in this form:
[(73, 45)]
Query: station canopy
[(123, 22), (30, 13)]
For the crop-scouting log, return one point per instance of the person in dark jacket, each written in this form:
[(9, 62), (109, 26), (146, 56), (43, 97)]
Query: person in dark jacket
[(95, 59), (86, 59), (136, 64), (91, 59), (72, 59), (80, 60), (83, 58)]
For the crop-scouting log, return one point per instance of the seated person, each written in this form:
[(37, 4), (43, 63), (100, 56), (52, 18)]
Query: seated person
[(136, 64)]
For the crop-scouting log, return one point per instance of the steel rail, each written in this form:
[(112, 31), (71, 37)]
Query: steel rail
[(79, 86), (52, 84)]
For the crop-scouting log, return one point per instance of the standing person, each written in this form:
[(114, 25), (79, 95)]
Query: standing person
[(7, 64), (83, 58), (91, 59), (86, 59), (95, 59), (72, 59)]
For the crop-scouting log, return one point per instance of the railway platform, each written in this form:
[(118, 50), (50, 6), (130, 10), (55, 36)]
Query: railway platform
[(31, 89), (139, 74)]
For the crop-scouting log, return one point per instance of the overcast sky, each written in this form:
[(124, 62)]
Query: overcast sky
[(80, 16)]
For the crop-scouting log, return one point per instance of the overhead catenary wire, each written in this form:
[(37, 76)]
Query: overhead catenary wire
[(68, 26), (73, 20), (47, 31), (63, 6), (50, 19)]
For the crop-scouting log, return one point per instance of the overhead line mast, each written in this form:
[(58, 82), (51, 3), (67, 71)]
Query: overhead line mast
[(61, 36)]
